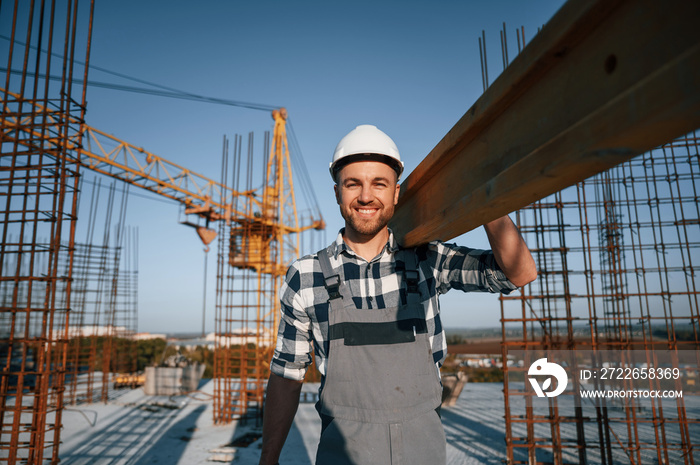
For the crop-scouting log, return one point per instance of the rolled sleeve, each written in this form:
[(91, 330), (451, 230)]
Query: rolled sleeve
[(466, 269), (292, 354)]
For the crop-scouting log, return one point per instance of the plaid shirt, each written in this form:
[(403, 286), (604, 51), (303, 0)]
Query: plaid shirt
[(374, 284)]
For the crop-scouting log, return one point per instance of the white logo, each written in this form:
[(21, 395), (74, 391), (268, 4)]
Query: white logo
[(542, 367)]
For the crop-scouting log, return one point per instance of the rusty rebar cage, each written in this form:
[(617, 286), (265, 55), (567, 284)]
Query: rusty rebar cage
[(254, 252), (84, 333), (104, 314), (82, 349), (38, 192), (104, 297), (247, 282), (617, 257)]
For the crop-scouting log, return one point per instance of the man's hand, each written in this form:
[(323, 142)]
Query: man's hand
[(510, 251), (281, 405)]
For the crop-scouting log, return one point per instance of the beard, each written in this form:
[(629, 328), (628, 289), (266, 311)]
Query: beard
[(367, 227)]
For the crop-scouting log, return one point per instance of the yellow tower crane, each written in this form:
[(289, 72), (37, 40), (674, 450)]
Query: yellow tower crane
[(262, 231)]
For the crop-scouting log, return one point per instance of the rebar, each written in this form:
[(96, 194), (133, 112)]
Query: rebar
[(247, 280), (617, 257), (253, 256), (38, 191)]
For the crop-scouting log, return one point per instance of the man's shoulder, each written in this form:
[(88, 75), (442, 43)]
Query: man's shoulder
[(442, 247), (424, 250), (306, 264), (438, 254)]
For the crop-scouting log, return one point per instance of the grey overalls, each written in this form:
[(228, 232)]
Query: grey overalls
[(381, 395)]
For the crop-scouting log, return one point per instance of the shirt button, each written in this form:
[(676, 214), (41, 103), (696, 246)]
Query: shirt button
[(370, 298)]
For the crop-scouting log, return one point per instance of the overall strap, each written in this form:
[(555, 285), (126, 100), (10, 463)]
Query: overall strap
[(411, 275), (374, 329), (330, 279)]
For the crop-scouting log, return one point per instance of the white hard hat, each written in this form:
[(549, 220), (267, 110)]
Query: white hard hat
[(366, 142)]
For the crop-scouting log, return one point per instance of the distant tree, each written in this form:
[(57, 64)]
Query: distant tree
[(205, 356), (685, 334), (485, 375), (149, 352)]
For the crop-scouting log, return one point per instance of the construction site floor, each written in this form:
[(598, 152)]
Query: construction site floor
[(133, 428)]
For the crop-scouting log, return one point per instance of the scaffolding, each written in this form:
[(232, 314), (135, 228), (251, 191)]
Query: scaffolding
[(617, 257)]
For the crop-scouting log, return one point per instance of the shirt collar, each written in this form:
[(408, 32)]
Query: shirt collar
[(340, 246)]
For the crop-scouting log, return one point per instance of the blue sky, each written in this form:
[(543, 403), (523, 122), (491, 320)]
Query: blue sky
[(411, 68)]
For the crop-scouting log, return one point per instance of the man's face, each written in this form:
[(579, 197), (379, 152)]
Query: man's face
[(367, 192)]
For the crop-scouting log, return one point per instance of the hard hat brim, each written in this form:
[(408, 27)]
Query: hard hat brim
[(393, 163)]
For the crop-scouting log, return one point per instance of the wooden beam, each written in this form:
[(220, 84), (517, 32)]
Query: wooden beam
[(602, 82)]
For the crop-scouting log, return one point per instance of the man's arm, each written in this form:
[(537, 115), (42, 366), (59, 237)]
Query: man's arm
[(510, 251), (281, 405)]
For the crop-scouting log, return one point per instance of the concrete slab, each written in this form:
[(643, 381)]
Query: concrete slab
[(137, 429)]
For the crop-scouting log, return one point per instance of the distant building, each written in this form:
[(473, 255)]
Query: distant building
[(115, 331), (142, 336), (236, 337), (95, 330), (242, 336)]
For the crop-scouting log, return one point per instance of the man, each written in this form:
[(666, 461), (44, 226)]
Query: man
[(369, 310)]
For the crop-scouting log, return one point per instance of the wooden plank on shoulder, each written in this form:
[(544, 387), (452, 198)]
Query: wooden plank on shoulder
[(602, 82)]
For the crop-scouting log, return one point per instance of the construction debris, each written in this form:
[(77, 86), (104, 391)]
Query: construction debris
[(452, 385), (177, 375)]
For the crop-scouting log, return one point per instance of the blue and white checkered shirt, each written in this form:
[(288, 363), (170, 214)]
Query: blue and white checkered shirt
[(374, 284)]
